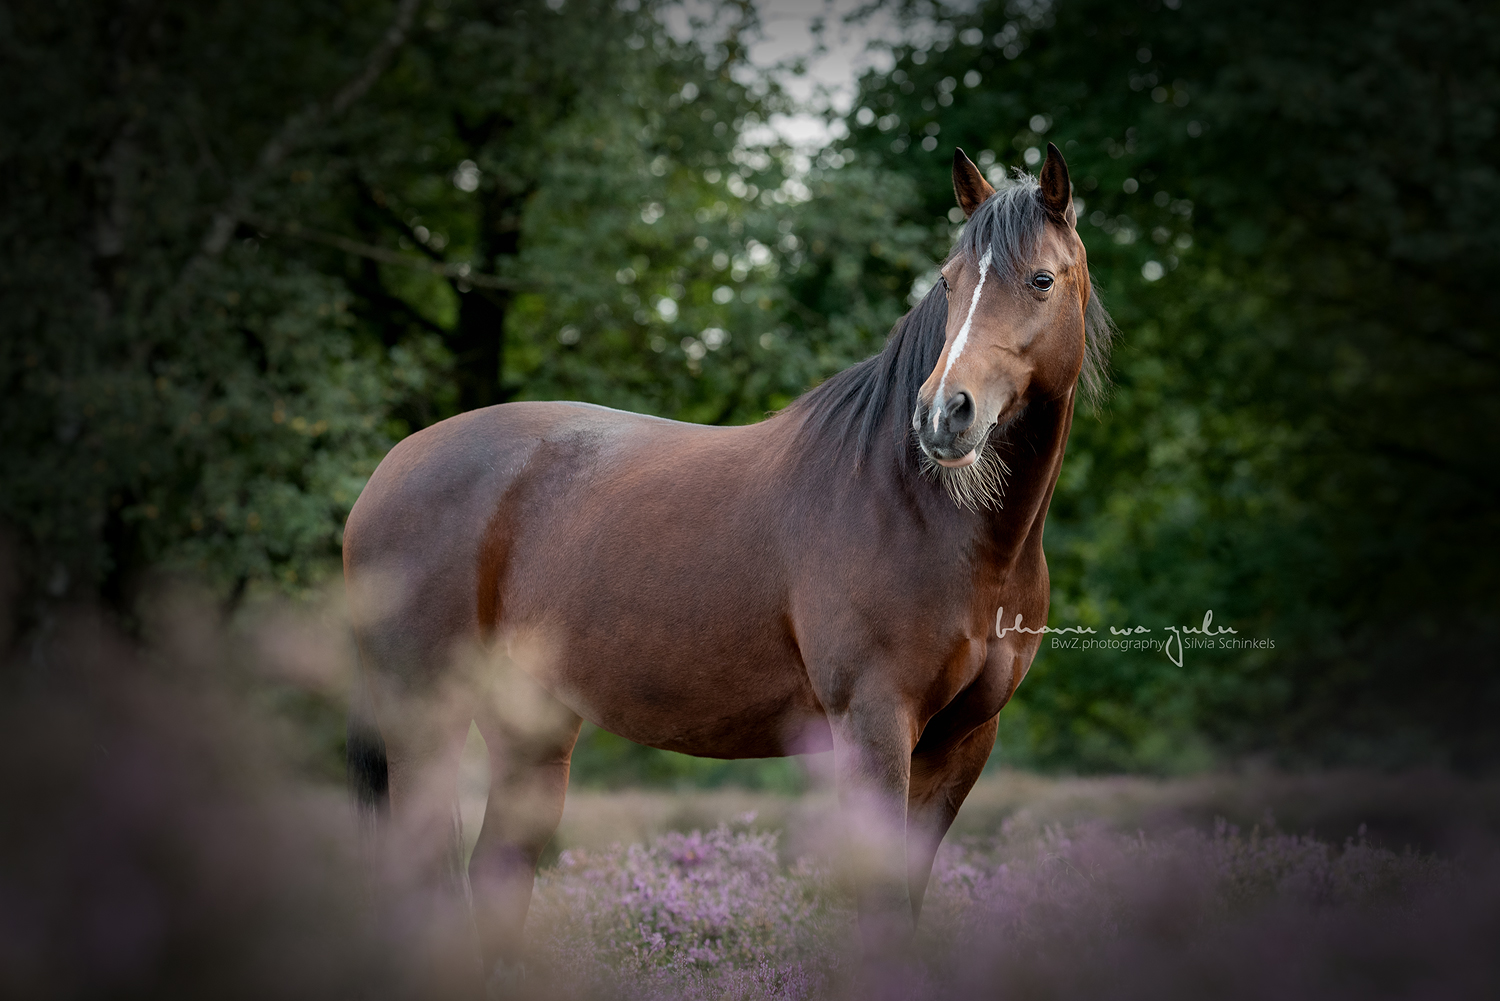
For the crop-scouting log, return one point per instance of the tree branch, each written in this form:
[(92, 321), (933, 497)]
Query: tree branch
[(457, 272), (296, 128)]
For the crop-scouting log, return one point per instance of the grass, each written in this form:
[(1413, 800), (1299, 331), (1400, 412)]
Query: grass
[(1253, 884), (1427, 810)]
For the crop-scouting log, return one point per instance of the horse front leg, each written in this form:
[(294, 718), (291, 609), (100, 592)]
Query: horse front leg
[(944, 768), (872, 746)]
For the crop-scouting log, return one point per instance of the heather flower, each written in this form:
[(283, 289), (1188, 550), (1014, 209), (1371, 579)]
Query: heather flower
[(1061, 912), (687, 905)]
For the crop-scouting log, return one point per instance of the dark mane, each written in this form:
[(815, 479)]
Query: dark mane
[(858, 398), (851, 408)]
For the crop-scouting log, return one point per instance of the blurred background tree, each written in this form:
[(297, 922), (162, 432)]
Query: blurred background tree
[(1292, 210), (249, 247)]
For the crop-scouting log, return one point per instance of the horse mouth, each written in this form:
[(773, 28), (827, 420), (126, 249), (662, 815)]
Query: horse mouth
[(959, 463)]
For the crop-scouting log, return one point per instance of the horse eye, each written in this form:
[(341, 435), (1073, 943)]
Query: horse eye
[(1041, 281)]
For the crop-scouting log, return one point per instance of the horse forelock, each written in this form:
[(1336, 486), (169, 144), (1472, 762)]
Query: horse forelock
[(1008, 227)]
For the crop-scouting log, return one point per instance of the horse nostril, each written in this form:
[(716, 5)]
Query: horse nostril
[(960, 412)]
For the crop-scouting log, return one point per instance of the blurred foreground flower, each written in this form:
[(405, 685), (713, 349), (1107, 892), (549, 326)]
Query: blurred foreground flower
[(162, 836)]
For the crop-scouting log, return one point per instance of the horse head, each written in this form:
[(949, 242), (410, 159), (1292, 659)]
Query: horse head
[(1018, 293)]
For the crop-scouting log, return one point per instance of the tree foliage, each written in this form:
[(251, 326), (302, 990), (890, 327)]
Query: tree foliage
[(1292, 211), (248, 247)]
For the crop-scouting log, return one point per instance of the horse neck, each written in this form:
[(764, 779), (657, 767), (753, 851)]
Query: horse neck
[(1034, 451)]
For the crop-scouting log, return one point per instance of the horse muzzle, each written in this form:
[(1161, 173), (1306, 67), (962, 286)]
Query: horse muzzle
[(948, 432)]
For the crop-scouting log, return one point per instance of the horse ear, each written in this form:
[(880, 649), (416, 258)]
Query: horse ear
[(969, 184), (1057, 190)]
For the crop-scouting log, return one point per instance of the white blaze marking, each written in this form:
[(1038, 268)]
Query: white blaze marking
[(960, 340)]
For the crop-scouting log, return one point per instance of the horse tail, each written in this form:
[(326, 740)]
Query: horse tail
[(365, 761)]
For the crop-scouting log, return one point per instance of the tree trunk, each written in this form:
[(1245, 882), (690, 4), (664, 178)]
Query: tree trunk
[(478, 343)]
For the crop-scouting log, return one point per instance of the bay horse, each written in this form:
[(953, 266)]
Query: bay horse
[(830, 577)]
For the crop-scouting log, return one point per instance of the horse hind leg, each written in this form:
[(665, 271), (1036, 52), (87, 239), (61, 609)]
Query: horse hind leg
[(365, 759), (529, 737), (417, 841)]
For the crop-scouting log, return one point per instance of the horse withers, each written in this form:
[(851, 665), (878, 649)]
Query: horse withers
[(828, 578)]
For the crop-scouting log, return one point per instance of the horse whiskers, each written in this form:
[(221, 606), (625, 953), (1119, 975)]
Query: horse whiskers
[(976, 487)]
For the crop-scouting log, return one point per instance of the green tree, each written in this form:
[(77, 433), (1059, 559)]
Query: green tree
[(1292, 211), (173, 391), (248, 248)]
